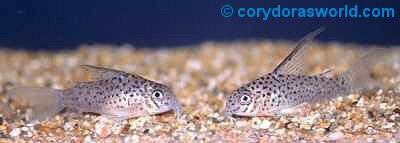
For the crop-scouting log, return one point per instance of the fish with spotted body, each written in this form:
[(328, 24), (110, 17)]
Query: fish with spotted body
[(112, 93), (286, 87)]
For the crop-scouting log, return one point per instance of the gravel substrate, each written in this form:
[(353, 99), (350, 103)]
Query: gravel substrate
[(201, 76)]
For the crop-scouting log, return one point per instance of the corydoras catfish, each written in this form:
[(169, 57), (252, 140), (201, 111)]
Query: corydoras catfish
[(287, 87), (113, 93)]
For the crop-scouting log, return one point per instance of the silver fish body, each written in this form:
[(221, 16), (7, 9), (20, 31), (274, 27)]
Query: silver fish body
[(272, 93), (112, 93), (287, 86), (125, 95)]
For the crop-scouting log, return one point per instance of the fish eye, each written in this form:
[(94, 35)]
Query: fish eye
[(157, 94), (245, 99)]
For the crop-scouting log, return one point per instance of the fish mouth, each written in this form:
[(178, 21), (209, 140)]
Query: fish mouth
[(168, 109), (230, 112), (235, 112), (232, 109)]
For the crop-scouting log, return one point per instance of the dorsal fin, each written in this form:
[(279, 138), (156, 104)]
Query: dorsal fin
[(294, 62), (100, 73), (327, 73)]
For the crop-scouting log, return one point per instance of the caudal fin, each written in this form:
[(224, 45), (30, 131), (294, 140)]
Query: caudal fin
[(358, 77), (44, 102)]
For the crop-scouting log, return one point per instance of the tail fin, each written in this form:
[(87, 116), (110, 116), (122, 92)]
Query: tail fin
[(358, 77), (44, 102)]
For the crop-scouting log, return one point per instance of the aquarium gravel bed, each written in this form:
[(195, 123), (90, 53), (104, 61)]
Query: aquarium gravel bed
[(201, 77)]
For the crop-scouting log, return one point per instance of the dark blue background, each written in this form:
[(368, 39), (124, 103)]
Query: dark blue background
[(51, 24)]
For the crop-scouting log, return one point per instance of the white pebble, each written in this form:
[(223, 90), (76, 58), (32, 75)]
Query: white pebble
[(214, 115), (280, 131), (261, 124), (118, 127), (370, 131), (132, 139), (193, 64), (87, 139), (397, 135), (25, 129), (68, 127), (360, 102), (15, 132), (265, 124), (388, 125), (383, 106), (379, 92), (241, 124), (102, 129), (336, 136)]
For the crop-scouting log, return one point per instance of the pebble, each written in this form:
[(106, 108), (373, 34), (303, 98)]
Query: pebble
[(68, 126), (194, 64), (240, 124), (383, 106), (305, 126), (320, 130), (292, 125), (118, 127), (203, 128), (370, 131), (2, 130), (1, 87), (88, 139), (216, 117), (397, 135), (26, 132), (336, 136), (132, 139), (265, 124), (256, 122), (191, 127), (15, 132), (87, 125), (138, 123), (102, 129), (388, 125), (280, 131)]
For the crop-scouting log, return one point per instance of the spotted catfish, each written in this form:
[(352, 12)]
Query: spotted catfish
[(112, 93), (286, 88)]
